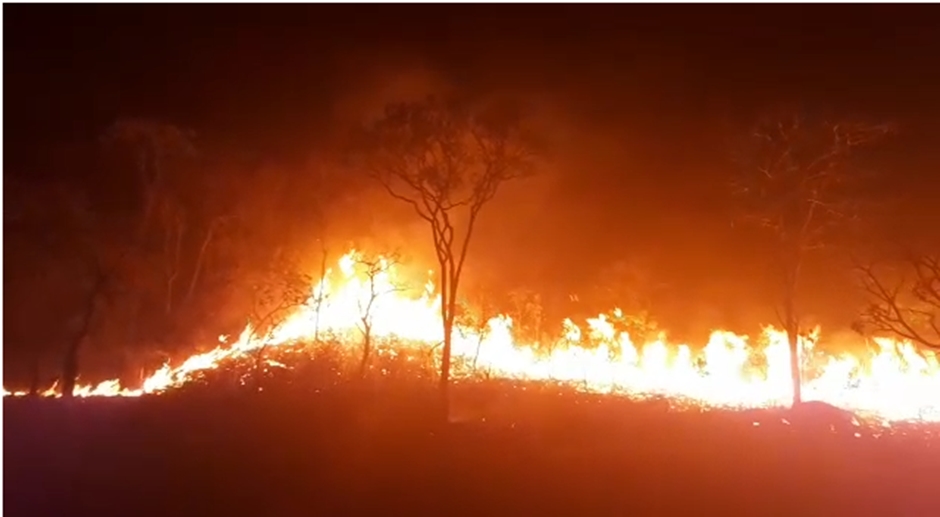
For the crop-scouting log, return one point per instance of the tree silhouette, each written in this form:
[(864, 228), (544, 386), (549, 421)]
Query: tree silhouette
[(276, 292), (446, 160), (798, 184), (56, 230), (908, 308), (375, 269)]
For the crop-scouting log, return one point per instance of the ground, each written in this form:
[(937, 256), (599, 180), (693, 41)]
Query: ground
[(379, 452)]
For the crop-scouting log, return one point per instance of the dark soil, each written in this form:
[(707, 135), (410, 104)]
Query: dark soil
[(346, 453)]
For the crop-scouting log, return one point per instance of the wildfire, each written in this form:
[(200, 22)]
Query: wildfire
[(895, 383)]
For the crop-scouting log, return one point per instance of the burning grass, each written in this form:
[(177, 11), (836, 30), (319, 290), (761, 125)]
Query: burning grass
[(894, 383)]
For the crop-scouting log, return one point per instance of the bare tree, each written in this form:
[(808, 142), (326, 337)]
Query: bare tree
[(73, 229), (474, 319), (276, 293), (799, 184), (174, 226), (447, 161), (95, 287), (153, 255), (375, 269), (154, 146), (207, 240), (909, 306)]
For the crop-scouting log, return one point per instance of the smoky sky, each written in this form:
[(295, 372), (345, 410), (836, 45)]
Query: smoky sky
[(641, 103)]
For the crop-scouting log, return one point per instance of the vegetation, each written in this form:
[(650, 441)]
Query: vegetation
[(190, 253), (161, 253), (799, 185), (446, 160), (905, 305)]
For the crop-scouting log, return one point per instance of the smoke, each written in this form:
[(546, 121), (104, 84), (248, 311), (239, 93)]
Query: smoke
[(377, 80)]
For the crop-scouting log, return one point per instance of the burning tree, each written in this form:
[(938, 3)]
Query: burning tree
[(909, 307), (375, 269), (446, 160), (798, 183)]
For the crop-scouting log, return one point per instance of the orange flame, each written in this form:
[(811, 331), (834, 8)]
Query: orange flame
[(897, 383)]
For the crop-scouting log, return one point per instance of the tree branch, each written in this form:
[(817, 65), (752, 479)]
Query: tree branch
[(888, 313)]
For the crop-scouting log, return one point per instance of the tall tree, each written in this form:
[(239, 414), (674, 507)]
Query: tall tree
[(446, 160), (798, 183), (156, 250), (63, 259)]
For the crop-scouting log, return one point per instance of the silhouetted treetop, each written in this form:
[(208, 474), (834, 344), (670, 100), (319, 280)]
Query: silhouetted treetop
[(443, 154)]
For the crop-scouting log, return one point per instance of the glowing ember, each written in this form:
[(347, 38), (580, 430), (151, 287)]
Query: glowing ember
[(896, 383)]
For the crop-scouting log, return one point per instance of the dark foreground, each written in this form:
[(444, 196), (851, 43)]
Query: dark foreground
[(539, 454)]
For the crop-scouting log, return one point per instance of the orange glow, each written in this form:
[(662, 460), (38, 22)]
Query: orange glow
[(896, 383)]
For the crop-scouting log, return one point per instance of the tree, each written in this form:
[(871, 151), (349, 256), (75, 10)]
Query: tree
[(908, 308), (276, 293), (446, 160), (799, 185), (474, 319), (527, 314), (376, 270), (167, 239), (63, 247), (154, 146)]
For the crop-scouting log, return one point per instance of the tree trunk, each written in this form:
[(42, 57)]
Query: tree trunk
[(320, 294), (366, 351), (199, 260), (476, 354), (793, 337), (792, 323), (70, 361), (445, 368)]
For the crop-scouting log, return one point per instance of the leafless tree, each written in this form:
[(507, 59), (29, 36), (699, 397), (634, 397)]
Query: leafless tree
[(474, 319), (174, 226), (86, 239), (154, 145), (374, 268), (909, 306), (206, 241), (96, 285), (277, 292), (799, 185), (158, 150), (446, 160)]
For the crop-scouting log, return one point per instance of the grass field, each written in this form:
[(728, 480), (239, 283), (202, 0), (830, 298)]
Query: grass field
[(509, 451)]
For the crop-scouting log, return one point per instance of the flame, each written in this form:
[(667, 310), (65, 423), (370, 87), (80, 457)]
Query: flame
[(896, 382)]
